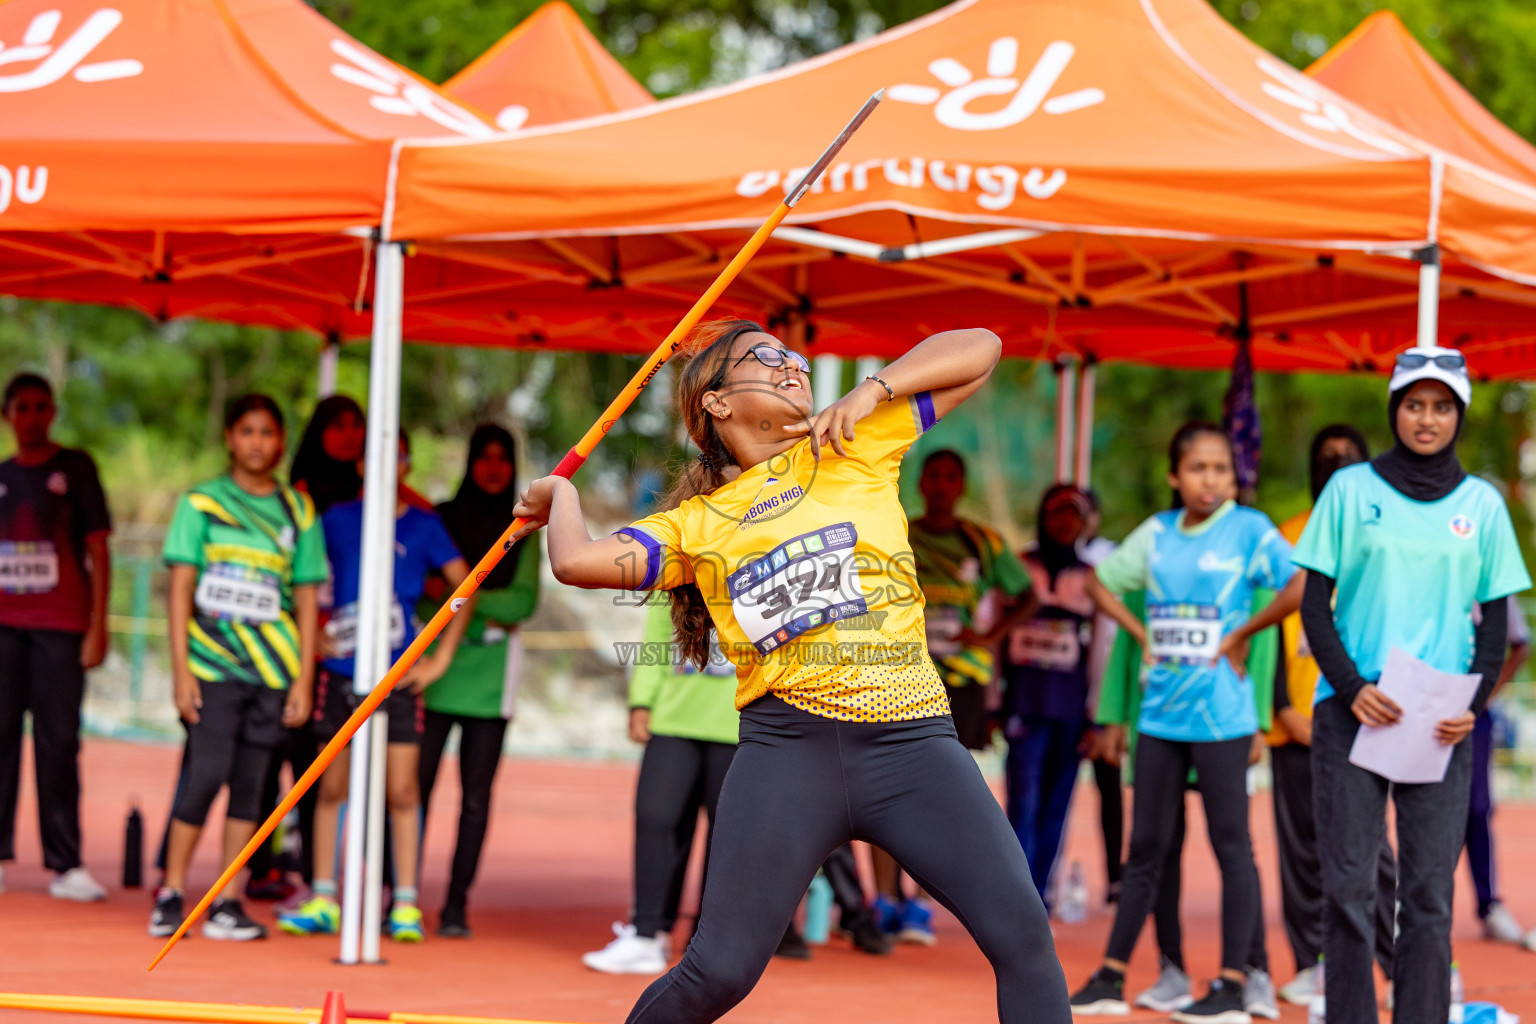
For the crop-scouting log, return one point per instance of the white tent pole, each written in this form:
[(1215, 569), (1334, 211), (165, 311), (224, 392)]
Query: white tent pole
[(866, 365), (826, 381), (373, 861), (1085, 400), (376, 582), (1064, 395), (1429, 294), (330, 356)]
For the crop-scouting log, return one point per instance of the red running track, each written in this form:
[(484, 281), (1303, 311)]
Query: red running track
[(556, 875)]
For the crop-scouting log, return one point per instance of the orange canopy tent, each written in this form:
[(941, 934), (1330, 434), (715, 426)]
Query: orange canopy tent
[(548, 69), (219, 158), (1108, 179), (1382, 67)]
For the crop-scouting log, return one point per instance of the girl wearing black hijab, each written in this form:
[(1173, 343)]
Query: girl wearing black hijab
[(479, 692), (325, 465), (1407, 551)]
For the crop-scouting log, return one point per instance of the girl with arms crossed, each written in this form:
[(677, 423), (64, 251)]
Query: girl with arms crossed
[(803, 566)]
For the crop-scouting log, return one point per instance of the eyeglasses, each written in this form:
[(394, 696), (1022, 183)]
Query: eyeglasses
[(1449, 361), (773, 358)]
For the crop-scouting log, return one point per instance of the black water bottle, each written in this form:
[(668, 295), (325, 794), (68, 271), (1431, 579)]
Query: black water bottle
[(133, 850)]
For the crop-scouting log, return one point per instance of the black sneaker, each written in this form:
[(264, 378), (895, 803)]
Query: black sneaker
[(1103, 996), (227, 920), (452, 924), (168, 913), (865, 932), (792, 946), (1221, 1004)]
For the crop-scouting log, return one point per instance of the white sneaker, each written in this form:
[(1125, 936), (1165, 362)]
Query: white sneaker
[(1300, 989), (1169, 993), (1259, 995), (78, 885), (629, 953), (1500, 925)]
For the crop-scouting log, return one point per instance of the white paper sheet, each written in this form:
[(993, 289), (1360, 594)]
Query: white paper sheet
[(1408, 751)]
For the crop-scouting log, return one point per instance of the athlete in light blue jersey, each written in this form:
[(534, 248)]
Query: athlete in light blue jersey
[(1407, 552), (1199, 566)]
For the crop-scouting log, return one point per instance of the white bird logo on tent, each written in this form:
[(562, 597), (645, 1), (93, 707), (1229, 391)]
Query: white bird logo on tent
[(1319, 112), (1029, 95), (57, 61), (396, 93)]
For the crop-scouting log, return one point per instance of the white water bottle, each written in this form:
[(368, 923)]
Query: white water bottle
[(1458, 994), (1317, 1008), (1074, 896)]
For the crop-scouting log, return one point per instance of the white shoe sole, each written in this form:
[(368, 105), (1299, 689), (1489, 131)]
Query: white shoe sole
[(650, 970), (1102, 1008), (915, 937), (1225, 1017), (212, 931), (165, 931), (1267, 1012), (1295, 998), (1147, 1002), (76, 896)]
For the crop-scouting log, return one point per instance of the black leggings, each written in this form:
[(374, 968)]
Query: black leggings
[(801, 786), (480, 742), (1162, 771), (1165, 912), (677, 777)]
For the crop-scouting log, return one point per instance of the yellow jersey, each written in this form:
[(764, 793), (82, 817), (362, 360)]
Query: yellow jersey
[(808, 575)]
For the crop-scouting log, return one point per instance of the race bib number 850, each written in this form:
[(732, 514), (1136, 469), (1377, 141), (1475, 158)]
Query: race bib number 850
[(1186, 633), (800, 586)]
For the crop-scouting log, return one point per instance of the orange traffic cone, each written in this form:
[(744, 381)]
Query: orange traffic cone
[(335, 1011)]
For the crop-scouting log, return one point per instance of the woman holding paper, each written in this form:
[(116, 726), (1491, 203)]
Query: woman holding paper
[(1405, 552)]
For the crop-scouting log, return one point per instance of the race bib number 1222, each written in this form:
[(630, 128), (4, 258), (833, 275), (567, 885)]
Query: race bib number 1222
[(802, 585)]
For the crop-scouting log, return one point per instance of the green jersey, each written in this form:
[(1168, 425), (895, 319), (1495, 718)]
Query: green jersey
[(483, 679), (683, 701), (250, 551)]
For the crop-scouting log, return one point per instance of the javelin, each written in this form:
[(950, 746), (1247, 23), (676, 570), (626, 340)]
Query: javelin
[(567, 468)]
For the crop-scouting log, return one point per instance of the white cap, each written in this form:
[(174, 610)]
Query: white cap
[(1454, 378)]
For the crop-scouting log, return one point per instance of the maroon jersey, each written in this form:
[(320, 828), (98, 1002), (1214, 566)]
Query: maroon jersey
[(46, 512)]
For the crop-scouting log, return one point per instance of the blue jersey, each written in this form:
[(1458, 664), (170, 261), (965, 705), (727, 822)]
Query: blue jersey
[(1409, 573), (421, 545), (1199, 585)]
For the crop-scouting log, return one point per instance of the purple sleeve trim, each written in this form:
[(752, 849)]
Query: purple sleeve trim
[(925, 414), (653, 554)]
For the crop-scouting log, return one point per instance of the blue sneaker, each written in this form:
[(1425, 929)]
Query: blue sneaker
[(917, 923), (888, 915)]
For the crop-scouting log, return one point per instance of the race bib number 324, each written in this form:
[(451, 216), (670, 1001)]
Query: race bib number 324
[(802, 585)]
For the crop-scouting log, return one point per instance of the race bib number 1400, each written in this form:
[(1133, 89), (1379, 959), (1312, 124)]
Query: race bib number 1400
[(802, 585)]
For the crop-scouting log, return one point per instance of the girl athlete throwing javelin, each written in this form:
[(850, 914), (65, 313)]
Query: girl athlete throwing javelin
[(802, 564)]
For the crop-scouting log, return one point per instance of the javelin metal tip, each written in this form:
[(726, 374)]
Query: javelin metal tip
[(879, 94)]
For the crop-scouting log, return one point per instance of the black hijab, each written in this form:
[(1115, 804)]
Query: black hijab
[(1055, 556), (1321, 470), (328, 481), (1421, 477), (476, 518)]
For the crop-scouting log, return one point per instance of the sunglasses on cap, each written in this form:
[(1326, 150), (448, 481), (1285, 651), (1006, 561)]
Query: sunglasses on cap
[(774, 357), (1454, 361)]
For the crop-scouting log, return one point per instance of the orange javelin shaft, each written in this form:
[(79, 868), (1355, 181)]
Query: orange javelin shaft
[(567, 468)]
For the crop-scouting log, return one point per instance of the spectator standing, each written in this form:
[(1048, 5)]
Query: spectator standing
[(55, 575)]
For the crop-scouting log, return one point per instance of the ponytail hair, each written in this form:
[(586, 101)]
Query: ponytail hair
[(705, 370)]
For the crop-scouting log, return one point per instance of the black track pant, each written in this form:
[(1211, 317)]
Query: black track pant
[(800, 787), (480, 743), (40, 672), (1106, 777), (1301, 875), (1351, 805), (1162, 771), (678, 777)]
